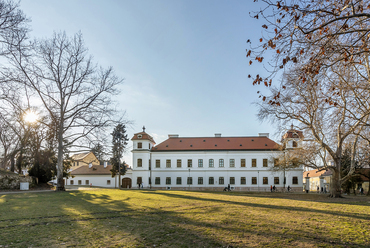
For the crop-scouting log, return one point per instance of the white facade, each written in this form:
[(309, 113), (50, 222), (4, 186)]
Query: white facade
[(171, 169)]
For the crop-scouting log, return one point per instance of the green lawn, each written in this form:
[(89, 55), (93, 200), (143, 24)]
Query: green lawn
[(143, 218)]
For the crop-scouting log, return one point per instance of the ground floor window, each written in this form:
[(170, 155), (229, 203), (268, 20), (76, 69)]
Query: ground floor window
[(168, 180), (211, 180), (254, 180), (232, 180), (157, 180), (139, 180), (243, 180), (178, 180), (265, 180), (71, 182), (79, 182), (190, 180), (295, 180), (200, 180), (276, 180), (87, 182), (221, 180), (108, 182)]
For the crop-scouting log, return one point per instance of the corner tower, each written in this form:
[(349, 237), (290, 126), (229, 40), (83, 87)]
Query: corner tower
[(292, 139), (142, 144)]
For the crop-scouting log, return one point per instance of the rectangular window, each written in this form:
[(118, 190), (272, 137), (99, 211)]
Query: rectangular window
[(168, 180), (265, 162), (243, 180), (211, 163), (232, 180), (276, 162), (157, 163), (211, 180), (254, 162), (178, 180), (79, 182), (139, 162), (276, 180), (232, 162), (150, 180), (242, 162), (139, 145), (71, 182), (157, 180), (190, 163), (265, 180), (221, 163), (139, 180), (200, 162), (190, 180), (221, 180), (168, 163), (295, 180), (179, 163), (200, 180), (254, 180), (87, 182)]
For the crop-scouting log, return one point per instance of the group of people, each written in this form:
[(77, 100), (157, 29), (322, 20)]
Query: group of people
[(274, 189), (228, 188)]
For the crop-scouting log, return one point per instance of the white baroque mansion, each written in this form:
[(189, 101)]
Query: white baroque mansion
[(212, 163)]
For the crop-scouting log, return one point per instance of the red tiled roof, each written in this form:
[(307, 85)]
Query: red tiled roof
[(292, 133), (316, 173), (144, 136), (216, 143)]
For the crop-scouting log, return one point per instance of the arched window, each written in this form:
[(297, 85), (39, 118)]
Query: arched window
[(139, 145), (295, 144), (139, 162)]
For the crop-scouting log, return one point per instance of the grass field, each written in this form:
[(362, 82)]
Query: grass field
[(143, 218)]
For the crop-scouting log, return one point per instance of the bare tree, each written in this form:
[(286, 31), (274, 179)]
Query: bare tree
[(332, 108), (74, 92)]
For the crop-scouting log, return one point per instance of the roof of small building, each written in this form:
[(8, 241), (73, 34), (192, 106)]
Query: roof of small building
[(216, 143), (79, 156), (144, 136), (316, 173), (94, 170)]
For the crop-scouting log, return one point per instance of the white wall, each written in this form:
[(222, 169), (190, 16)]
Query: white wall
[(237, 172)]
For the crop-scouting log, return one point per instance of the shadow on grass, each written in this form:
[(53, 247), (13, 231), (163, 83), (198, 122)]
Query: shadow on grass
[(267, 206), (96, 218)]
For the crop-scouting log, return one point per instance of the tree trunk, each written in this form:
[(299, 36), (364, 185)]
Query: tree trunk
[(12, 164), (60, 182), (336, 185)]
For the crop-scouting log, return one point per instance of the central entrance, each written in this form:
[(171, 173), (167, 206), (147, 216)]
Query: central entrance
[(126, 183)]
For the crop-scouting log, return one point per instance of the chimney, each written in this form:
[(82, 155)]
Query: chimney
[(90, 165), (173, 136), (217, 135), (263, 135), (105, 164)]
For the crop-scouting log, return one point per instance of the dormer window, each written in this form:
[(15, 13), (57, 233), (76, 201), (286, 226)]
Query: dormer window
[(139, 136), (139, 145)]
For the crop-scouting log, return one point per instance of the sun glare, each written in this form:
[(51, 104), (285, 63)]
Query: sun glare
[(30, 117)]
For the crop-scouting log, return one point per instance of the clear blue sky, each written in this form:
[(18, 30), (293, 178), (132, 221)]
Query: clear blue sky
[(183, 61)]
